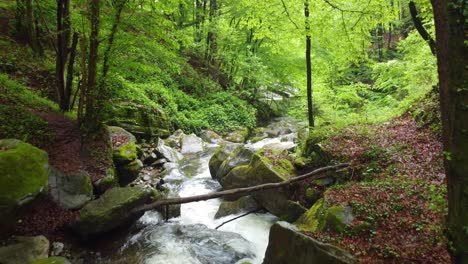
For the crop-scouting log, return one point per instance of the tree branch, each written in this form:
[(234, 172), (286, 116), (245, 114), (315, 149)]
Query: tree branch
[(287, 14), (420, 28), (239, 191)]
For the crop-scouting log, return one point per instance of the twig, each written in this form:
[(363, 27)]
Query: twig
[(237, 217)]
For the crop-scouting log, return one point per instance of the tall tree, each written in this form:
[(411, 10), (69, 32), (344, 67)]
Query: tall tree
[(26, 24), (452, 57), (310, 110), (65, 55)]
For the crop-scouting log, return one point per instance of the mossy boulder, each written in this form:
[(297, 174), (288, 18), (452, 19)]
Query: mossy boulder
[(124, 148), (111, 210), (52, 260), (107, 182), (239, 156), (129, 172), (211, 136), (322, 217), (221, 154), (261, 170), (23, 178), (70, 191), (23, 250), (243, 204), (238, 136), (288, 245), (315, 153), (143, 121)]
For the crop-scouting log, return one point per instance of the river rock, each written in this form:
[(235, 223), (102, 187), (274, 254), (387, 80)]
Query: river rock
[(287, 245), (321, 217), (143, 121), (23, 178), (107, 182), (168, 153), (129, 172), (239, 156), (70, 191), (174, 140), (23, 250), (211, 137), (260, 170), (243, 204), (52, 260), (191, 144), (238, 136), (221, 154), (111, 210), (123, 145)]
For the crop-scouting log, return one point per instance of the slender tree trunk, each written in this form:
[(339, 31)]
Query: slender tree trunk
[(211, 41), (452, 58), (63, 42), (84, 78), (26, 25), (310, 110), (420, 28), (70, 72), (91, 118)]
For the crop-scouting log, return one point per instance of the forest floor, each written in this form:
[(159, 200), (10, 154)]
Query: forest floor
[(397, 188)]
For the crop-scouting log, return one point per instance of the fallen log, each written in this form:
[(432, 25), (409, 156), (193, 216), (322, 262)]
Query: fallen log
[(316, 174)]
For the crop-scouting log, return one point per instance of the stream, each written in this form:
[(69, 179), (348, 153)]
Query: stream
[(192, 238)]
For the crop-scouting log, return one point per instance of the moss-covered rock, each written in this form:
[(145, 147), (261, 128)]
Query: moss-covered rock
[(23, 178), (312, 195), (143, 121), (129, 172), (107, 182), (221, 154), (123, 145), (23, 250), (287, 245), (238, 136), (320, 217), (111, 210), (70, 191), (239, 156), (243, 204), (261, 170), (52, 260)]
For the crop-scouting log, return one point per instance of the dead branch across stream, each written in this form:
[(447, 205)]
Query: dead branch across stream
[(315, 174)]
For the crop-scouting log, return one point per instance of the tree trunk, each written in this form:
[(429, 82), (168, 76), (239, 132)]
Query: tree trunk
[(452, 58), (420, 28), (63, 42), (211, 42), (91, 121), (310, 110), (26, 26)]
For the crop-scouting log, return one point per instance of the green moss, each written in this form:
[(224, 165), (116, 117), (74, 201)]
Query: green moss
[(335, 217), (125, 154), (24, 171), (313, 220)]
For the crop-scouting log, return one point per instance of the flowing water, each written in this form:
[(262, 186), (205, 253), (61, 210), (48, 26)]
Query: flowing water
[(192, 238)]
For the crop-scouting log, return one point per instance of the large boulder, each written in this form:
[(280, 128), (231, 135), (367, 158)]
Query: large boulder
[(125, 155), (221, 154), (287, 245), (238, 136), (243, 204), (261, 170), (21, 250), (240, 156), (23, 178), (168, 153), (143, 121), (211, 137), (111, 210), (321, 217), (191, 144), (124, 148), (129, 172), (70, 191)]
